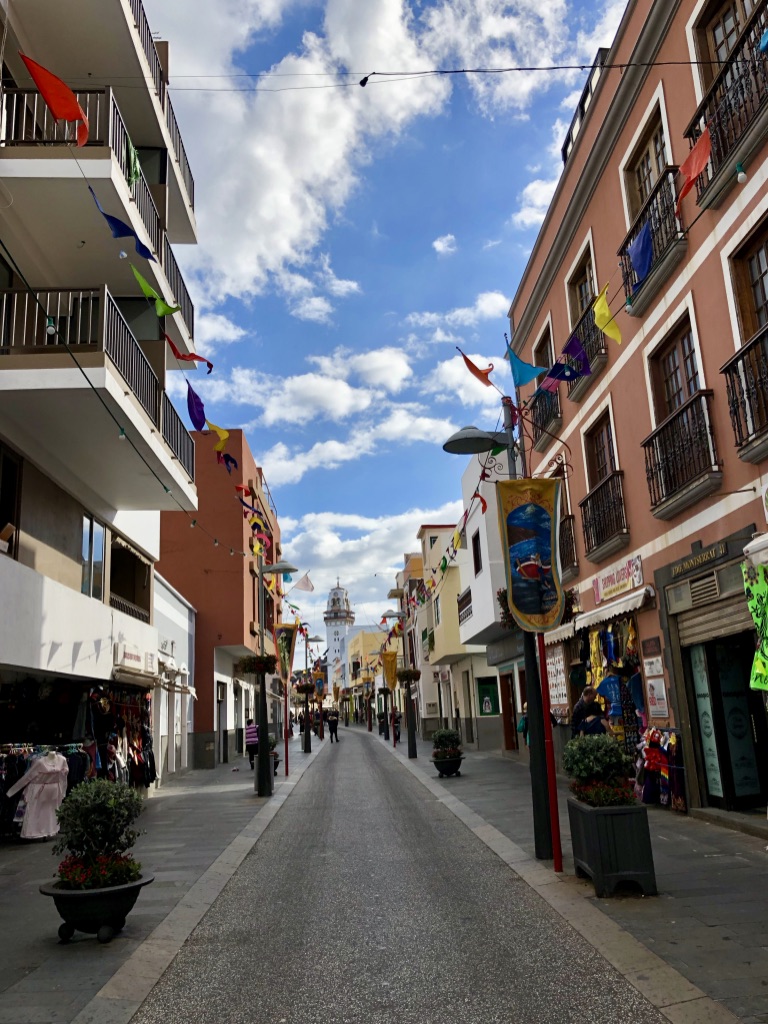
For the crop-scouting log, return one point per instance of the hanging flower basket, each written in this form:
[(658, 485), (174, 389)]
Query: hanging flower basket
[(257, 664), (305, 688), (507, 619), (408, 675)]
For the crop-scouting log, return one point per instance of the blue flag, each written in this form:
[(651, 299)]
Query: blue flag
[(563, 371), (764, 42), (640, 253), (120, 229), (522, 373)]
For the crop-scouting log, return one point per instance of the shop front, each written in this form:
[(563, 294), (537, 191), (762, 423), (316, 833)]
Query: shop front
[(712, 641)]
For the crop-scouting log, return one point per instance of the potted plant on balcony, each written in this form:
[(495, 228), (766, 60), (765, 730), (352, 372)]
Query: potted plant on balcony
[(98, 881), (447, 754), (609, 828), (256, 664)]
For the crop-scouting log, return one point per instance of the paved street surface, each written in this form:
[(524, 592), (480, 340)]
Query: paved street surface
[(367, 901)]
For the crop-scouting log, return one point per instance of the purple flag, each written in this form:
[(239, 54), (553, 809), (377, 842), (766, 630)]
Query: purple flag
[(575, 350), (195, 408)]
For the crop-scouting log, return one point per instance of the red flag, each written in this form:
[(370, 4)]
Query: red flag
[(483, 502), (482, 375), (187, 358), (59, 98), (694, 165)]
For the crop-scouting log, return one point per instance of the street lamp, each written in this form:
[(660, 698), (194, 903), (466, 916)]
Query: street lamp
[(410, 723), (307, 732), (546, 823), (265, 772)]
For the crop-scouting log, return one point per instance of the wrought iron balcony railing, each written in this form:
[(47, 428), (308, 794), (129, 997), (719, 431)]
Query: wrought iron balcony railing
[(568, 560), (735, 99), (89, 320), (545, 410), (746, 382), (681, 449), (603, 517), (127, 607), (178, 287), (180, 151), (658, 211), (593, 342)]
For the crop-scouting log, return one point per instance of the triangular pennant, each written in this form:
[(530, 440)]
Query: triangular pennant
[(522, 373), (195, 408), (603, 319), (58, 97), (640, 253), (161, 306), (481, 375), (187, 357), (223, 435), (120, 229), (694, 164), (575, 350)]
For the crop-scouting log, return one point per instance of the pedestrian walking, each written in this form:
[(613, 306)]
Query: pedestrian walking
[(251, 740), (333, 724), (301, 722)]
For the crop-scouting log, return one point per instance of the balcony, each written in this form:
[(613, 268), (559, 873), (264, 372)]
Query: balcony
[(121, 604), (681, 463), (667, 238), (569, 563), (604, 520), (67, 394), (546, 417), (746, 382), (32, 142), (736, 109), (593, 343), (121, 52)]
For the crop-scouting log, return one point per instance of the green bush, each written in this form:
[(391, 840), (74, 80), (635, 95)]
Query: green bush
[(95, 819), (600, 771), (446, 739)]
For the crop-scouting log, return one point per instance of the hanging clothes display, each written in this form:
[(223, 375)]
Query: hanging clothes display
[(45, 786)]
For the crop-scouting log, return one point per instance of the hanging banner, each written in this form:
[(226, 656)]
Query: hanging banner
[(318, 678), (389, 661), (284, 634), (529, 515)]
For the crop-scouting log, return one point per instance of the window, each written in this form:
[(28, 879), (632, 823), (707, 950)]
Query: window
[(750, 273), (92, 579), (646, 165), (674, 372), (601, 459), (437, 610), (581, 288), (432, 541), (477, 555), (718, 30)]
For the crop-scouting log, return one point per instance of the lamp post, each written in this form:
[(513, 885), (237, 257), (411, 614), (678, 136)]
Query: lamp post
[(410, 723), (307, 733), (546, 822), (265, 772)]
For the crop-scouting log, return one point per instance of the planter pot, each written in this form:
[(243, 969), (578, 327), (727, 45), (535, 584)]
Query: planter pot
[(100, 912), (612, 845), (447, 765)]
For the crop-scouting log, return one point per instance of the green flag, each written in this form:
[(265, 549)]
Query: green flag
[(161, 306), (134, 167)]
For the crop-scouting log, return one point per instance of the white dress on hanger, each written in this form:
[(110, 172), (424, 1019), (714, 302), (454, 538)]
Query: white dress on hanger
[(45, 786)]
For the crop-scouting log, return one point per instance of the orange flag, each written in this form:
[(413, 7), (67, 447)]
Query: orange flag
[(694, 165), (482, 375), (59, 98)]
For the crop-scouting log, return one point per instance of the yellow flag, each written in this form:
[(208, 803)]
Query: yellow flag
[(603, 319), (390, 668), (223, 435)]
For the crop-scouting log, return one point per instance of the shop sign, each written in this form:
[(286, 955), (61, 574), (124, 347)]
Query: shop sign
[(620, 578), (657, 698), (128, 656), (710, 554), (558, 687)]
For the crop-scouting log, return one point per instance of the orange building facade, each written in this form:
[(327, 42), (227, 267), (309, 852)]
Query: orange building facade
[(213, 565), (662, 447)]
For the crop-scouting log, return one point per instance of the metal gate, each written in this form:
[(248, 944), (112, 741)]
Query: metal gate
[(722, 618)]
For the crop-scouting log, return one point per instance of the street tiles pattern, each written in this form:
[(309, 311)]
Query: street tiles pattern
[(367, 901)]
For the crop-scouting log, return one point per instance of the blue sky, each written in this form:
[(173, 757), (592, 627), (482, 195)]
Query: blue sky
[(351, 238)]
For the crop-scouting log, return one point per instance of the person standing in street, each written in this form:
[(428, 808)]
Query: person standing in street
[(587, 697), (333, 724), (251, 740)]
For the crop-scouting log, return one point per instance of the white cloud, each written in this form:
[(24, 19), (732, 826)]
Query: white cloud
[(445, 245), (488, 306), (534, 203), (314, 307), (333, 284), (213, 329), (387, 368), (491, 243)]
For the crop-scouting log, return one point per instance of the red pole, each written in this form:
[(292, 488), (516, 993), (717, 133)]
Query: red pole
[(549, 750), (285, 725)]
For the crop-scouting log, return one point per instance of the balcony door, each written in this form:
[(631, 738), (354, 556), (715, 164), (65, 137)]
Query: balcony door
[(601, 456)]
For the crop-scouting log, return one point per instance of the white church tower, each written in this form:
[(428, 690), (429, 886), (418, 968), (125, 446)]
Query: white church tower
[(338, 618)]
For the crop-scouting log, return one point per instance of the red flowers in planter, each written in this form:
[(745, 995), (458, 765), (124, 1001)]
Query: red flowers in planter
[(98, 873)]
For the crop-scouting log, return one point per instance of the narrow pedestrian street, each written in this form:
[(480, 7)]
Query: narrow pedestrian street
[(368, 901)]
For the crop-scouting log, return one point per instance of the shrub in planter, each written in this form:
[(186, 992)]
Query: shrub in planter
[(95, 828), (599, 770), (447, 754)]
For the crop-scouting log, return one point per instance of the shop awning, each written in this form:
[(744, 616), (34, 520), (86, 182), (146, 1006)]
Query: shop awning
[(615, 609), (556, 636)]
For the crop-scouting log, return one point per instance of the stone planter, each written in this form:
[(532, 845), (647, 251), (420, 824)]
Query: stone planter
[(99, 912), (612, 845), (447, 765)]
